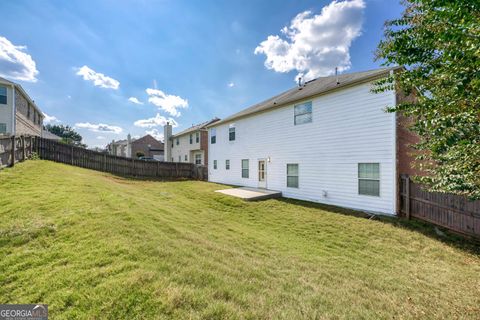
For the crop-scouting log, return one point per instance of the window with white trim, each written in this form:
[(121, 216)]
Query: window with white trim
[(245, 168), (191, 138), (186, 158), (213, 135), (369, 179), (197, 137), (3, 95), (231, 132), (179, 158), (303, 113), (198, 158), (227, 164), (215, 164), (292, 175), (3, 128), (178, 141)]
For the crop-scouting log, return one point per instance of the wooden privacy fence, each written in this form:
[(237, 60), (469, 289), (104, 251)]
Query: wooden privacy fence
[(453, 212), (80, 157), (15, 149)]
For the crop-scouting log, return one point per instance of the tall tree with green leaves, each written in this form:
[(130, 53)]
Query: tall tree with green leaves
[(67, 133), (438, 42)]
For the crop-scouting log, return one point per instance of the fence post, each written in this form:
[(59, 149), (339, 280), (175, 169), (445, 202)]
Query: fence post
[(105, 163), (158, 169), (31, 145), (13, 151), (407, 197), (71, 155), (176, 168)]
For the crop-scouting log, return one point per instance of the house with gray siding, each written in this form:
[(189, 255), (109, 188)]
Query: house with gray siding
[(328, 140), (19, 115)]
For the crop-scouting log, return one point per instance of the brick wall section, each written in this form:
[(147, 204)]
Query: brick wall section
[(142, 145), (26, 122), (204, 145)]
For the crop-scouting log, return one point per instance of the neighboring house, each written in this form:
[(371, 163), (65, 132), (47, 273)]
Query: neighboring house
[(329, 140), (48, 135), (19, 115), (190, 145), (149, 147), (146, 146)]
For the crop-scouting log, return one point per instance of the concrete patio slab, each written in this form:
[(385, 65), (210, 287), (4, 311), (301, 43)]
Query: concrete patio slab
[(251, 194)]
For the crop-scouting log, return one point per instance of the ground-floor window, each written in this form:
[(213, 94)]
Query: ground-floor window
[(186, 158), (179, 158), (227, 164), (245, 168), (215, 164), (198, 158), (292, 175), (369, 179)]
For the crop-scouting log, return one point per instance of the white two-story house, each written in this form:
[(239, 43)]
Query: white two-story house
[(329, 140)]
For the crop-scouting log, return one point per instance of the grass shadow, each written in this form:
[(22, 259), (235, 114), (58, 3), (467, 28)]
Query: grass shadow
[(465, 243)]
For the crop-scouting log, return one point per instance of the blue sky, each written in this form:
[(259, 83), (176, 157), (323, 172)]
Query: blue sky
[(188, 61)]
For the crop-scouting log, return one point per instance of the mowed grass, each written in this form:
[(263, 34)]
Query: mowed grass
[(96, 246)]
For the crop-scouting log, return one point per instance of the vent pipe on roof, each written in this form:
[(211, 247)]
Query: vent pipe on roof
[(336, 75), (300, 85)]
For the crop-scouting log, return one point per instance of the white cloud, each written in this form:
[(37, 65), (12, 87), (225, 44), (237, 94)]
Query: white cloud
[(156, 134), (49, 119), (134, 100), (314, 45), (100, 127), (166, 102), (231, 85), (156, 121), (15, 63), (101, 137), (98, 79)]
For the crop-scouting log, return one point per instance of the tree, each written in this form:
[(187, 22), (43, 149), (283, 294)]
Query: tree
[(438, 42), (68, 135)]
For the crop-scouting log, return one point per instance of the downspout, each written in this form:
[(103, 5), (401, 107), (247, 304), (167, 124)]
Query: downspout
[(14, 111), (395, 152)]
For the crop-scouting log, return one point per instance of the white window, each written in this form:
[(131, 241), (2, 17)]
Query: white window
[(227, 164), (198, 158), (179, 158), (215, 164), (191, 138), (213, 135), (197, 137), (186, 158), (292, 175), (245, 167), (178, 141), (3, 95), (3, 128), (303, 113), (231, 132), (369, 179)]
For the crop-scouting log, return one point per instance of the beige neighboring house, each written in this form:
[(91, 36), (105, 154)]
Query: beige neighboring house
[(121, 148), (19, 115), (190, 145), (146, 146)]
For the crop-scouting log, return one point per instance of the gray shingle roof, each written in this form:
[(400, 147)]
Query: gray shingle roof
[(196, 127), (311, 88)]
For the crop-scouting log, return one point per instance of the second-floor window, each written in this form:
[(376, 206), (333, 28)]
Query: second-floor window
[(231, 132), (213, 135), (3, 128), (3, 95), (303, 113), (28, 111), (191, 138), (178, 141), (197, 137)]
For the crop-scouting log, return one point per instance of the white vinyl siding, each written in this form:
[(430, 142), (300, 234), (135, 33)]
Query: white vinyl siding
[(350, 127)]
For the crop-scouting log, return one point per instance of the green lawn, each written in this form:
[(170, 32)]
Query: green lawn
[(95, 246)]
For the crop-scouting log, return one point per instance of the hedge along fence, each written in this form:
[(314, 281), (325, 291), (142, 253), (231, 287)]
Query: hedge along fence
[(23, 147), (15, 149)]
